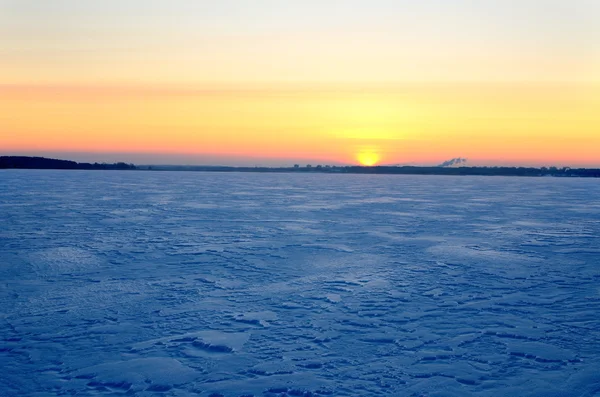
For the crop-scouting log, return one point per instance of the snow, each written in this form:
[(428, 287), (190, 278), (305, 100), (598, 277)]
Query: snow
[(239, 284)]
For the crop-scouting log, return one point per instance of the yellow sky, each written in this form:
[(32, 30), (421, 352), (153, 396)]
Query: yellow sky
[(392, 82), (488, 123)]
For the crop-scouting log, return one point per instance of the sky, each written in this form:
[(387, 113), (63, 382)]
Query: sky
[(271, 82)]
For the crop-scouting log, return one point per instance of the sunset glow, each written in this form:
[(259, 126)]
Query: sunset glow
[(368, 158), (262, 82)]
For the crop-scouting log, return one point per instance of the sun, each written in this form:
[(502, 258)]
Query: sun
[(368, 159)]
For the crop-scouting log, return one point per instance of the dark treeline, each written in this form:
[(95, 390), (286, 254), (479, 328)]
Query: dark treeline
[(42, 163), (483, 171), (24, 162), (397, 170)]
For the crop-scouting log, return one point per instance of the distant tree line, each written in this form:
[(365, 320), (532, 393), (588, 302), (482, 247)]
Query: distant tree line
[(399, 170), (483, 171), (25, 162), (45, 163)]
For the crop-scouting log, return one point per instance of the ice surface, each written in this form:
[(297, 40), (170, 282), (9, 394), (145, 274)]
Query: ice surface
[(176, 284)]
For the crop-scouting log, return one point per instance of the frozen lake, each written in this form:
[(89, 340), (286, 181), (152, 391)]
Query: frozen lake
[(176, 284)]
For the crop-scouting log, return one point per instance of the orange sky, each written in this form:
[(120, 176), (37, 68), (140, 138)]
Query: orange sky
[(328, 82), (419, 123)]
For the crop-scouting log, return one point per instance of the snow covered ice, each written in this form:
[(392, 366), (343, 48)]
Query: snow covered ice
[(239, 284)]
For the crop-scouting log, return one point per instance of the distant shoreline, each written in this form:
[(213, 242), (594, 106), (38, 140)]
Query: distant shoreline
[(43, 163), (25, 162)]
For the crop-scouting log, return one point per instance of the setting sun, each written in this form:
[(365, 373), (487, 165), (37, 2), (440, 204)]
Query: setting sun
[(368, 159)]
